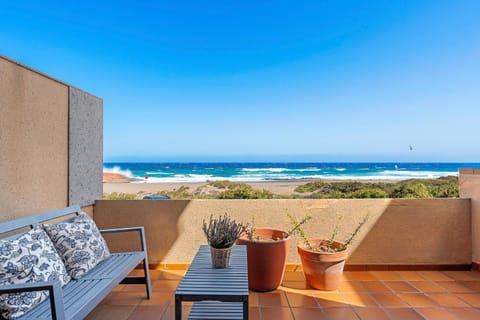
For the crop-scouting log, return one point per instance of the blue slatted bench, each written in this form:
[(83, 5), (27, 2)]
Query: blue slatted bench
[(79, 297)]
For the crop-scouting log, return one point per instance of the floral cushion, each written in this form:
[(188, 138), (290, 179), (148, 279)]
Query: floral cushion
[(30, 258), (79, 243)]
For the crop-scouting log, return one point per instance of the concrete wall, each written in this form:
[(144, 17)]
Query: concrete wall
[(33, 142), (399, 231), (39, 138), (85, 148), (469, 185)]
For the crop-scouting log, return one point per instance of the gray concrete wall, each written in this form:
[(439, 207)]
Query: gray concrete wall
[(85, 148)]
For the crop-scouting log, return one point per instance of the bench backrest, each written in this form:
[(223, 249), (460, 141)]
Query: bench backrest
[(35, 220)]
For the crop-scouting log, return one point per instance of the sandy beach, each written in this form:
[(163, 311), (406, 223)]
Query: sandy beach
[(118, 183), (113, 182)]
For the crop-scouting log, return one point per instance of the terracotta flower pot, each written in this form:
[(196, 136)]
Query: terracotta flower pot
[(266, 259), (221, 257), (322, 270)]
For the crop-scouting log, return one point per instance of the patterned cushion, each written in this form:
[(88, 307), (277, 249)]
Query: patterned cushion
[(30, 258), (79, 243)]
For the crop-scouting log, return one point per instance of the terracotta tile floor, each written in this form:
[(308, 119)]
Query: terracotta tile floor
[(363, 295)]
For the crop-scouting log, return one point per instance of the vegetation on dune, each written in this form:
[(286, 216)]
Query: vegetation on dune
[(445, 187), (311, 186), (224, 184), (181, 193), (370, 193), (245, 191), (119, 196)]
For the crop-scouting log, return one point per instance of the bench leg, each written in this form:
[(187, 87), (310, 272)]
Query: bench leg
[(147, 279), (143, 244)]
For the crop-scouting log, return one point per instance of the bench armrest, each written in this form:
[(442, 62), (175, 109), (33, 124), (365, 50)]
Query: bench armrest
[(140, 230), (54, 289)]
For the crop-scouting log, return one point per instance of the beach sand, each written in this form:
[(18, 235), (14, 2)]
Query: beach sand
[(113, 182)]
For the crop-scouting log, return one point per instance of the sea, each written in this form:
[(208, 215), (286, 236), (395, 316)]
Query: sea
[(278, 171)]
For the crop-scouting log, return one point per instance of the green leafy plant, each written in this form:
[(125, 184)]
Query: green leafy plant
[(222, 232), (296, 227), (331, 245)]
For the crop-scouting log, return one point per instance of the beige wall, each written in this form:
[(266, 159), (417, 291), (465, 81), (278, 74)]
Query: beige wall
[(469, 184), (33, 142), (88, 210), (399, 231)]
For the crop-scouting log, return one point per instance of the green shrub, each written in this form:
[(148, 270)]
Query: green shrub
[(369, 193), (245, 191), (332, 194), (262, 194), (411, 189), (444, 187), (180, 193), (414, 188), (119, 196), (346, 186), (447, 191), (310, 187), (224, 184)]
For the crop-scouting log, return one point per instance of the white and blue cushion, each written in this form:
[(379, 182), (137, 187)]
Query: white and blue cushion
[(30, 258), (79, 243)]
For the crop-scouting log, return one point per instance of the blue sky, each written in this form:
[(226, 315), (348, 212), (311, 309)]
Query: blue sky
[(265, 80)]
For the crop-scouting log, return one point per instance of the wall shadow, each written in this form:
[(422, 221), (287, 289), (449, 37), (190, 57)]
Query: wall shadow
[(160, 218), (422, 233)]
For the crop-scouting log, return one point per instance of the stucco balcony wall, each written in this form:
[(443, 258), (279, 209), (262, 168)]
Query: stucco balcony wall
[(399, 231), (469, 185)]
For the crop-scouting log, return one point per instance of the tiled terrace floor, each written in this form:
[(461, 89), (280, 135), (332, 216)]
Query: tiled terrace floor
[(366, 295)]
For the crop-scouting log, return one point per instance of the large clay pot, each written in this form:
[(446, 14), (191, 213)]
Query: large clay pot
[(266, 259), (322, 271)]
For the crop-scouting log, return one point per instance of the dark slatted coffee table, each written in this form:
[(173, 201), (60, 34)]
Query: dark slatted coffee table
[(218, 293)]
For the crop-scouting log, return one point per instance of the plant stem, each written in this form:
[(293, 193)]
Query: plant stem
[(357, 229), (297, 227)]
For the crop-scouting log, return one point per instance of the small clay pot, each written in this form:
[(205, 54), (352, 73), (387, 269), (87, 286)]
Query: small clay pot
[(266, 259), (322, 270), (221, 257)]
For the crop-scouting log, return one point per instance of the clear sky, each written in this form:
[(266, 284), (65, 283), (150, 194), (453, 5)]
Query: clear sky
[(265, 80)]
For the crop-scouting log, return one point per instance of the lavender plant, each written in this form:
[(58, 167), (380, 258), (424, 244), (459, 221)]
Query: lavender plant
[(222, 232)]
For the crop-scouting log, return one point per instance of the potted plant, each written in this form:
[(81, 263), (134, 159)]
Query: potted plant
[(323, 260), (221, 233), (267, 250)]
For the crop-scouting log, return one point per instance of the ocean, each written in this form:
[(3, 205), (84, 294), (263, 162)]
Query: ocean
[(262, 171)]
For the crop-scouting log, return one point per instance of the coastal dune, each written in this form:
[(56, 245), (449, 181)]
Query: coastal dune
[(115, 178)]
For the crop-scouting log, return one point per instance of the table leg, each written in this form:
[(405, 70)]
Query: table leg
[(245, 309), (178, 308)]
